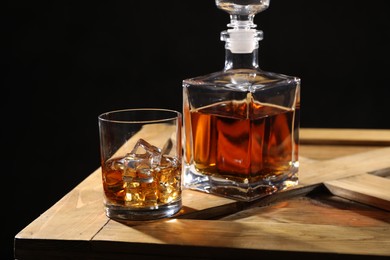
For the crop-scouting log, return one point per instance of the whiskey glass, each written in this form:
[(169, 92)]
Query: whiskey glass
[(141, 157)]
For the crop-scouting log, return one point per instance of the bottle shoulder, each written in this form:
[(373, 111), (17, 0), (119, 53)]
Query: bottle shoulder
[(241, 85), (242, 79)]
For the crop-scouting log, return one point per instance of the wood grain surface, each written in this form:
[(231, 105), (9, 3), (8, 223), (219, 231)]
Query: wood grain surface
[(339, 209)]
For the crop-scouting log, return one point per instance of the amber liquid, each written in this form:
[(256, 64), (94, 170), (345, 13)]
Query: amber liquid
[(130, 187), (244, 142)]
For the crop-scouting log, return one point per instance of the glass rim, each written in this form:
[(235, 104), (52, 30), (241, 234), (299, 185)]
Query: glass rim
[(103, 117)]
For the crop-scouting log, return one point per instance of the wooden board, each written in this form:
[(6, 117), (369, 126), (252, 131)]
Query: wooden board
[(341, 207)]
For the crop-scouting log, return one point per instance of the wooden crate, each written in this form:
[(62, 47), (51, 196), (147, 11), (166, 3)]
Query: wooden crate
[(341, 208)]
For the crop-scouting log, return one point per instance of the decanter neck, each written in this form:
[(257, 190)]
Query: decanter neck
[(241, 60), (241, 45)]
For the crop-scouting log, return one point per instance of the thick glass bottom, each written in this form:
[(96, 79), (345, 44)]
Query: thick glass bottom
[(241, 191), (131, 213)]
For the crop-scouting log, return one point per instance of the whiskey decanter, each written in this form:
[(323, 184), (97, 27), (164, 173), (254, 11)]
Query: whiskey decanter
[(241, 124)]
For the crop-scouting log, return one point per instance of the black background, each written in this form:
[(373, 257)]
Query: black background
[(64, 63)]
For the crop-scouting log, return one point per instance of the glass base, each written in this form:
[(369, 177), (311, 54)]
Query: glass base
[(238, 191), (127, 213)]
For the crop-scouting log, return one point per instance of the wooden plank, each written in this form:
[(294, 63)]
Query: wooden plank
[(78, 215), (236, 206), (344, 136), (260, 236), (319, 207), (327, 152), (192, 240), (346, 166), (365, 188)]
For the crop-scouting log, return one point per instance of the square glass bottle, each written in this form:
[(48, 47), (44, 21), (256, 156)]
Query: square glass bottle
[(241, 124)]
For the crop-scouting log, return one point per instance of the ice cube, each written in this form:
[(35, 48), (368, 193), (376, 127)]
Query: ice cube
[(150, 152), (140, 162)]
